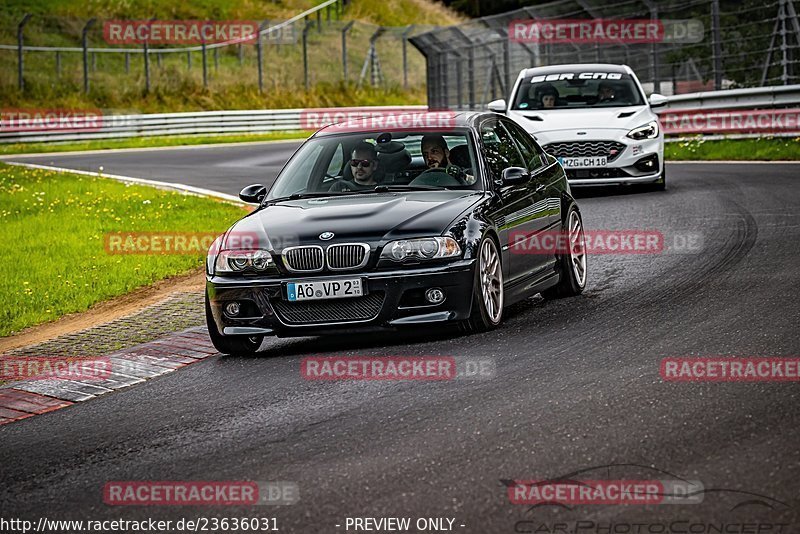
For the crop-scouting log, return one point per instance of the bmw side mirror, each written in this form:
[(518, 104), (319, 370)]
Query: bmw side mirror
[(515, 175), (498, 106), (253, 194), (656, 100)]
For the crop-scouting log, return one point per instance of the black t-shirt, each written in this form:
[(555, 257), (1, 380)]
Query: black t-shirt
[(349, 185)]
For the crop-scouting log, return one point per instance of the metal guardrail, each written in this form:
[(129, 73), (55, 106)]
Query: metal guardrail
[(755, 98), (192, 123), (264, 121)]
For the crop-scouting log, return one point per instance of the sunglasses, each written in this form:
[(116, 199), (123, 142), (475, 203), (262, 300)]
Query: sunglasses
[(360, 162)]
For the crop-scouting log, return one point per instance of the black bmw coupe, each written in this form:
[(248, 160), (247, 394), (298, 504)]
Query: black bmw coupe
[(392, 223)]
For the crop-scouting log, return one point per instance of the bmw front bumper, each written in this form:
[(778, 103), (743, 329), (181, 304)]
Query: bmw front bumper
[(391, 300)]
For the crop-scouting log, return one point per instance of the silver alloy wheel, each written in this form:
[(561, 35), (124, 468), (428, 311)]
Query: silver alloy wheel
[(491, 278), (577, 248)]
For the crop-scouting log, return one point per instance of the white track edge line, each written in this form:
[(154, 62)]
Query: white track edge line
[(189, 189), (147, 149)]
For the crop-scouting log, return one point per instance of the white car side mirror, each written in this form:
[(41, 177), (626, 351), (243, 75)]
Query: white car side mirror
[(656, 100), (498, 106)]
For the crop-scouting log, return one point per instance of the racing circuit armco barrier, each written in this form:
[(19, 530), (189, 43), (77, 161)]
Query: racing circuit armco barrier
[(765, 110)]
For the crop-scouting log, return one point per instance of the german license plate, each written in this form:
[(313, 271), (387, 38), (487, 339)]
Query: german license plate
[(577, 163), (328, 289)]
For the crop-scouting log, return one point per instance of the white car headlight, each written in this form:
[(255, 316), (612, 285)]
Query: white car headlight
[(236, 261), (428, 248), (647, 131)]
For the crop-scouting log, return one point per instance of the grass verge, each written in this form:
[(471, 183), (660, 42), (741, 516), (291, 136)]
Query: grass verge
[(756, 149), (53, 227), (146, 142)]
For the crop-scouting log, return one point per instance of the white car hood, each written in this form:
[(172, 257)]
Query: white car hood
[(583, 119)]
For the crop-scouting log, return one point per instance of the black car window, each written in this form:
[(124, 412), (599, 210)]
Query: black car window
[(499, 149), (336, 166), (527, 146)]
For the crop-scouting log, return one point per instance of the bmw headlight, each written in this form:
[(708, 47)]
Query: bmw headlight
[(647, 131), (428, 248), (236, 261)]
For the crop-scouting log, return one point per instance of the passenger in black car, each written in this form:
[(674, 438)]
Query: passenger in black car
[(437, 155)]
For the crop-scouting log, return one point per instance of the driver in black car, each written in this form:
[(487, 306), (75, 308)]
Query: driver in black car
[(363, 165), (436, 155)]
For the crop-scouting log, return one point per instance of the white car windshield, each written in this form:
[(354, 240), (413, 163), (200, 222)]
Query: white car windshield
[(577, 89)]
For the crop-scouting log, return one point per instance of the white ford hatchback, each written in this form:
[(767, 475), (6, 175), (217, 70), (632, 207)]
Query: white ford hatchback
[(595, 119)]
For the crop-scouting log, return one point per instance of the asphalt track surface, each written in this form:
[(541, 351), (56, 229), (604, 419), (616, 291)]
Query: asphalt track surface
[(576, 386)]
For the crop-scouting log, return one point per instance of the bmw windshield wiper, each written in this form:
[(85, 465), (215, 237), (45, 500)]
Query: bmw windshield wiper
[(384, 188), (298, 196)]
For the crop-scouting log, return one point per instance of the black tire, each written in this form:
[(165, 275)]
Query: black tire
[(570, 283), (481, 317), (233, 345)]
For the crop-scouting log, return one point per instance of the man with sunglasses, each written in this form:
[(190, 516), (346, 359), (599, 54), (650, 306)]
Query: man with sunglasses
[(363, 167)]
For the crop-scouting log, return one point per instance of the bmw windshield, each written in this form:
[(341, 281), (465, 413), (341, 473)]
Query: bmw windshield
[(368, 162)]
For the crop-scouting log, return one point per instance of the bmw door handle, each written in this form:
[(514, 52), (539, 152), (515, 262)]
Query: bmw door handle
[(540, 188)]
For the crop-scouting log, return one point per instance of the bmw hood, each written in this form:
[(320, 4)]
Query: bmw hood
[(366, 218), (623, 119)]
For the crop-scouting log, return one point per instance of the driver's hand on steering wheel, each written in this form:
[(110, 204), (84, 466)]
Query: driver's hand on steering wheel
[(457, 172)]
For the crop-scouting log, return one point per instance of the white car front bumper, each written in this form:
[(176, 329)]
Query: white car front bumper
[(628, 160)]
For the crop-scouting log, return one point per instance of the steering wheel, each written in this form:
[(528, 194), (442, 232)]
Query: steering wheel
[(438, 176)]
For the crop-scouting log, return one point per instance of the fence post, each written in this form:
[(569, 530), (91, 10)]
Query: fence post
[(216, 60), (784, 46), (654, 49), (127, 63), (319, 21), (146, 67), (344, 47), (717, 45), (408, 30), (509, 81), (241, 55), (305, 53), (20, 66), (459, 80), (260, 55), (85, 45), (205, 63), (471, 76)]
